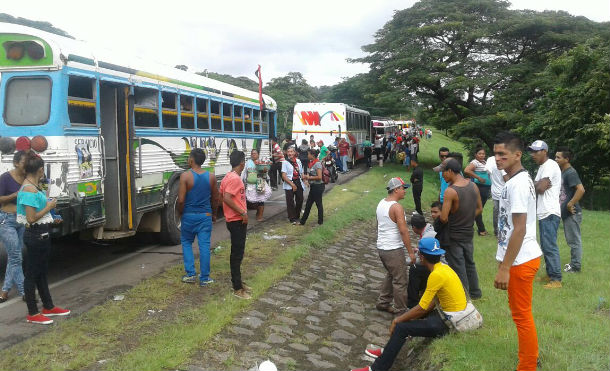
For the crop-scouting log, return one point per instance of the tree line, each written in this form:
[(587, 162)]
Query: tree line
[(473, 68)]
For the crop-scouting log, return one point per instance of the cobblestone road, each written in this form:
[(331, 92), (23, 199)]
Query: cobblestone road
[(319, 317)]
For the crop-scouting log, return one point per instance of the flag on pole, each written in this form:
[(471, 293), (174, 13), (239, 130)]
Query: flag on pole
[(260, 88)]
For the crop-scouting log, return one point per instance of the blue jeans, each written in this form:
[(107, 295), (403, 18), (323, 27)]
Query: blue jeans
[(11, 236), (571, 230), (344, 163), (199, 225), (548, 243)]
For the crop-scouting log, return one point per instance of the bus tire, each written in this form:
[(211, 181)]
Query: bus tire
[(170, 226)]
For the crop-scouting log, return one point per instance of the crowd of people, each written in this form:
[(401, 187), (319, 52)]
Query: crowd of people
[(429, 288), (444, 266)]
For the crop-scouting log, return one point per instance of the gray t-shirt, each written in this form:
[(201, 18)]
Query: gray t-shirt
[(569, 181), (313, 171)]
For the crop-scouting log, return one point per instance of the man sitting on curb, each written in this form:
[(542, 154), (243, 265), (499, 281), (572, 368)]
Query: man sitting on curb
[(423, 320)]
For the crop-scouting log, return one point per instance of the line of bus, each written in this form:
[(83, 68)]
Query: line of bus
[(326, 121), (119, 130)]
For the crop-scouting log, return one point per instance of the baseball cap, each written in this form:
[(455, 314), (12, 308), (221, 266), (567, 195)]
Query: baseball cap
[(538, 145), (395, 183), (448, 164), (430, 246)]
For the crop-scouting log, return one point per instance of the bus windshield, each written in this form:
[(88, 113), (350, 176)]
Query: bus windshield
[(28, 101)]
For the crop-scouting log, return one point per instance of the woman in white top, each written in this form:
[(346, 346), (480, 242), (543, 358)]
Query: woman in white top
[(255, 181), (477, 171)]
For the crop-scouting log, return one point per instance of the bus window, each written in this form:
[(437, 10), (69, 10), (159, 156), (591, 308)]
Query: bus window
[(202, 114), (146, 107), (28, 101), (169, 112), (227, 115), (248, 120), (81, 100), (257, 120), (187, 118), (239, 123), (215, 112)]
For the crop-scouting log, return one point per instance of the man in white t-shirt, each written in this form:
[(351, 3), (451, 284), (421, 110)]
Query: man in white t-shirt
[(392, 238), (518, 252), (497, 183), (548, 210)]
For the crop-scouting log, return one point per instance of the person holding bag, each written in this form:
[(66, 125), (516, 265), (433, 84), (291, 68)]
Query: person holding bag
[(255, 180)]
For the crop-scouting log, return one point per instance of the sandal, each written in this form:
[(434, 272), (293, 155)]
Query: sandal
[(484, 233), (4, 297)]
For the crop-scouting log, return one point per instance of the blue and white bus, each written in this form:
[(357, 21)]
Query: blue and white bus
[(116, 133)]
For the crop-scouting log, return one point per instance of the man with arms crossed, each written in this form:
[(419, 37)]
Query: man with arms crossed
[(392, 238), (572, 191), (518, 251), (548, 185)]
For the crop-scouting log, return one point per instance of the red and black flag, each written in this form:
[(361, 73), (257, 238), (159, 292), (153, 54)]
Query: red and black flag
[(260, 88)]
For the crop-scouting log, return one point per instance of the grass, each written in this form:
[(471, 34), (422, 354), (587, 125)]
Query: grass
[(572, 322)]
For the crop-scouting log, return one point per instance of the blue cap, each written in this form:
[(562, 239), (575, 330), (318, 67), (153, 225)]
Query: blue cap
[(430, 246)]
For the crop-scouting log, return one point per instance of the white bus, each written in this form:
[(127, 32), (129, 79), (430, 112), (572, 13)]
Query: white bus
[(326, 121), (119, 130), (385, 127)]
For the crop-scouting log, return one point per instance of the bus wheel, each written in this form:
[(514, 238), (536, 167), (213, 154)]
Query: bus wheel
[(170, 223)]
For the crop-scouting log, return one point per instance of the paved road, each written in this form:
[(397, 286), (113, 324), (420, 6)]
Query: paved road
[(84, 274), (319, 317)]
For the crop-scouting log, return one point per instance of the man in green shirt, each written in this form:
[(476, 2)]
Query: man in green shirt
[(323, 150), (368, 150)]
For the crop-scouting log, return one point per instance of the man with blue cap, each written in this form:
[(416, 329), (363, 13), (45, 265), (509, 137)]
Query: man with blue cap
[(422, 320)]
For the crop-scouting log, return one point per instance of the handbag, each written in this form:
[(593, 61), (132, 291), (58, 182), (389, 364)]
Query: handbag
[(466, 320)]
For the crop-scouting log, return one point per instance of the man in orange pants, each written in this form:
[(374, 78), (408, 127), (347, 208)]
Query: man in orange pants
[(518, 251)]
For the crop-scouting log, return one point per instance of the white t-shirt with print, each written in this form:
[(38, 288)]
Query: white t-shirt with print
[(548, 202), (518, 196), (497, 178)]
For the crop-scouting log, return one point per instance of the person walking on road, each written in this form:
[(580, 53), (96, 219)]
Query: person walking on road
[(443, 287), (462, 204), (292, 171), (548, 210), (344, 154), (11, 232), (572, 191), (477, 171), (233, 195), (276, 163), (392, 239), (196, 205), (313, 178), (34, 211), (518, 252)]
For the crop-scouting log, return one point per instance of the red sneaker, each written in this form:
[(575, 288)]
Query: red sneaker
[(56, 311), (375, 353), (39, 319), (367, 368)]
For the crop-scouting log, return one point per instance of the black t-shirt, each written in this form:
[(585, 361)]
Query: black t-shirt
[(569, 181), (417, 178)]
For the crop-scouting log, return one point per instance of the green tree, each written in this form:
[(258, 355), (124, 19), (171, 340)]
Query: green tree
[(287, 91), (574, 109), (44, 26)]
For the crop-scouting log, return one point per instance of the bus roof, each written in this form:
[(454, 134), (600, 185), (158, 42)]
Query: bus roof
[(310, 106), (73, 53)]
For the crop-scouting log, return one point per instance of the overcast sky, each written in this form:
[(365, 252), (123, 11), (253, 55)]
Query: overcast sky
[(313, 37)]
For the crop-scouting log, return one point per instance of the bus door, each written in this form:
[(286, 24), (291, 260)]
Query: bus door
[(118, 168)]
